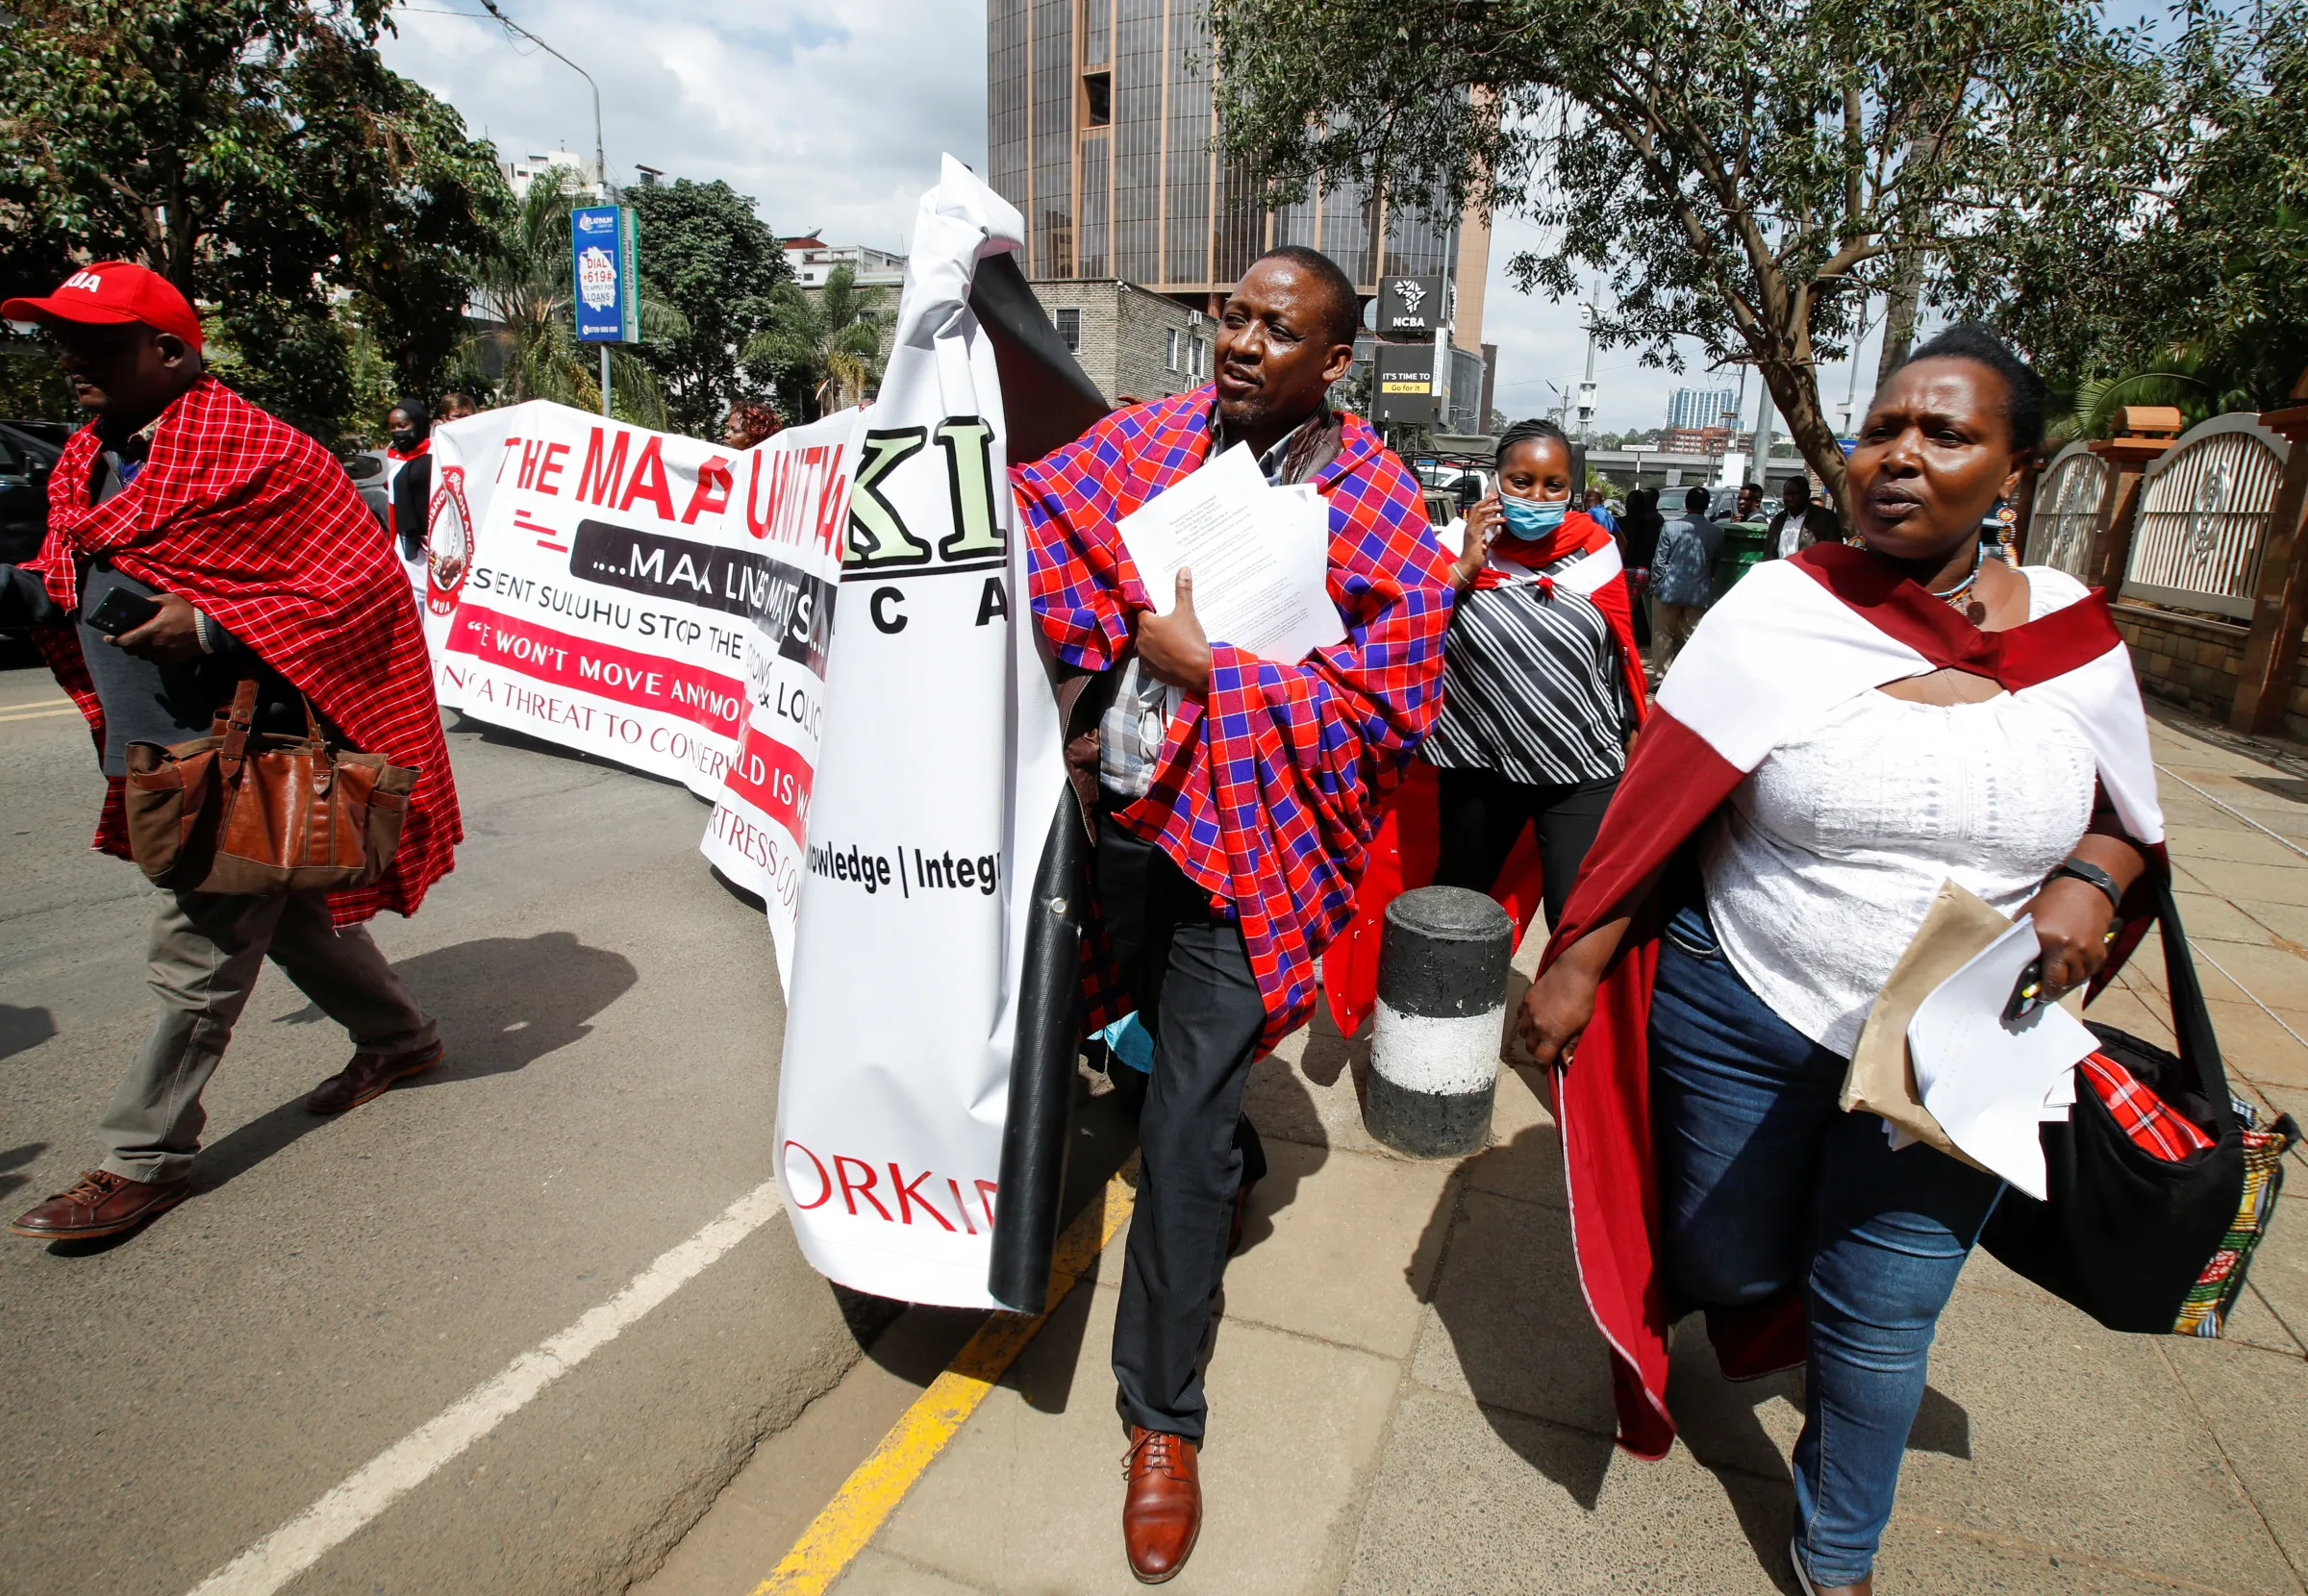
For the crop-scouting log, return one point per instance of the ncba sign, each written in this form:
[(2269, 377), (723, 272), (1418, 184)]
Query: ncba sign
[(1412, 303)]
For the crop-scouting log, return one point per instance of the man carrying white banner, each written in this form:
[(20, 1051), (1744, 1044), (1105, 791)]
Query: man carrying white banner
[(1236, 798)]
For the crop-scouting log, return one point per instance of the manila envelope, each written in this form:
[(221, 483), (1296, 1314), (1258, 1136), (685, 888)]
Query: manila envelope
[(1882, 1078)]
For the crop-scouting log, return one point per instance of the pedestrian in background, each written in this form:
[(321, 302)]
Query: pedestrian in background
[(456, 406), (1682, 576), (408, 484), (1638, 546), (1749, 508), (1598, 511), (1542, 687), (748, 424), (1850, 729), (1799, 523), (258, 560)]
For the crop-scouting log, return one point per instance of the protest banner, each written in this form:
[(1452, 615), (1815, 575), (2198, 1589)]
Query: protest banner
[(937, 778), (652, 599)]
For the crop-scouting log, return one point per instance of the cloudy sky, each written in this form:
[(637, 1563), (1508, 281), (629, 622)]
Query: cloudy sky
[(831, 116)]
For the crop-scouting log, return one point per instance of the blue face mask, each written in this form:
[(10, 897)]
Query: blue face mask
[(1532, 518)]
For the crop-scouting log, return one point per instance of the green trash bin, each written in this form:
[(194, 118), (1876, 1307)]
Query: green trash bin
[(1742, 549)]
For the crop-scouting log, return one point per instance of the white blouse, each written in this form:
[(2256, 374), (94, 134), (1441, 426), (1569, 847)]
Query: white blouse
[(1825, 860)]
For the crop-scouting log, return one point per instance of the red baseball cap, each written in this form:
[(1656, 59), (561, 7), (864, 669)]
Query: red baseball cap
[(110, 294)]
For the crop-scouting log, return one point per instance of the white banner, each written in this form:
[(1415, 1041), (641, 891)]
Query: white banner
[(937, 778), (652, 599)]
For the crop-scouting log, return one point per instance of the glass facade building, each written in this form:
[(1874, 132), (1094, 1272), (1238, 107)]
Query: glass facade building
[(1701, 407), (1101, 128)]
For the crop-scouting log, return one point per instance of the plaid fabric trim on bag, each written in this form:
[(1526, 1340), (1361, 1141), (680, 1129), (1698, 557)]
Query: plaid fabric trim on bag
[(2151, 1124)]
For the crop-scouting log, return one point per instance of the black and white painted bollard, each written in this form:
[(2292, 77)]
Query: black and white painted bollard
[(1441, 1003)]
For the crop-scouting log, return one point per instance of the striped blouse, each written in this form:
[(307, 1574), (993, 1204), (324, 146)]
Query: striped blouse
[(1533, 687)]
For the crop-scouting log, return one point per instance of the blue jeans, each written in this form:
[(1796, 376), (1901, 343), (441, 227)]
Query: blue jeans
[(1764, 1183)]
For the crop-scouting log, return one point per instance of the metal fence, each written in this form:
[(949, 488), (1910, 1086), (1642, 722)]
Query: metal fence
[(2203, 518), (2067, 513)]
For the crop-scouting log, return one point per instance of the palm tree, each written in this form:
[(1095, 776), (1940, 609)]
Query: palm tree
[(525, 289), (827, 346)]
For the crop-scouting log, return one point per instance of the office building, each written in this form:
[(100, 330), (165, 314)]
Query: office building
[(1103, 129), (1131, 341), (581, 177), (1700, 407), (814, 261), (1695, 440)]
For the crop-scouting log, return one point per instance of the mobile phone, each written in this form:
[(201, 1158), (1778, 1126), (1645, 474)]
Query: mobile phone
[(2027, 993), (121, 611)]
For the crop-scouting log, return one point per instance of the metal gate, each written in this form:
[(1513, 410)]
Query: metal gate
[(2203, 518), (2067, 513)]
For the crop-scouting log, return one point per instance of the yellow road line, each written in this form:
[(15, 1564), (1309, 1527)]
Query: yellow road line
[(873, 1490), (39, 713)]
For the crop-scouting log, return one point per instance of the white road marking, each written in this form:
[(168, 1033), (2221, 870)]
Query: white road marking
[(305, 1539)]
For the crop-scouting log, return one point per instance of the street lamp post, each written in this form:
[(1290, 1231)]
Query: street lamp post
[(600, 149)]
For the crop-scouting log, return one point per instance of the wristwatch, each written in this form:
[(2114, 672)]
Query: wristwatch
[(2084, 870)]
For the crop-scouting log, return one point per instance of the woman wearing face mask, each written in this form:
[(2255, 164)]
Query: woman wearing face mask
[(410, 484), (1540, 680), (1847, 728)]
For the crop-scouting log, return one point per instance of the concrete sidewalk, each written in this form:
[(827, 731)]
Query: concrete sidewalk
[(1407, 1396)]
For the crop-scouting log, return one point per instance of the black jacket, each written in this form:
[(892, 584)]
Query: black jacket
[(411, 497), (1818, 526)]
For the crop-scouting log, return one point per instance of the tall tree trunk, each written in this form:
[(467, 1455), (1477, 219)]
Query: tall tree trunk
[(1899, 314), (1795, 389)]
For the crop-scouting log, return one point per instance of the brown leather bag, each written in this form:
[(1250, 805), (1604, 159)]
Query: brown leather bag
[(257, 814)]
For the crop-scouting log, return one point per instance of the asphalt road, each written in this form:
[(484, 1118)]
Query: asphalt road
[(611, 1016)]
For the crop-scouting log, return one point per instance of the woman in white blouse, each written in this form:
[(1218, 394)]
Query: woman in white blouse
[(1810, 880)]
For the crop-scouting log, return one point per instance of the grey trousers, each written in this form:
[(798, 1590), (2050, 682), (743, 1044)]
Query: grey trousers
[(206, 950)]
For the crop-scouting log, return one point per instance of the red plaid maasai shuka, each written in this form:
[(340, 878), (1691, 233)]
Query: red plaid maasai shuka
[(2144, 1116), (260, 530), (1267, 793)]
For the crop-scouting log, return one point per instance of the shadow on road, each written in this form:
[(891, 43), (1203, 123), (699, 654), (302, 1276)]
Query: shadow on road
[(16, 1158), (21, 1029), (503, 1003)]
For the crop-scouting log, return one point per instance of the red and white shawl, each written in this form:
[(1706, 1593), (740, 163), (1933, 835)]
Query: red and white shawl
[(1408, 843), (1792, 640), (259, 527)]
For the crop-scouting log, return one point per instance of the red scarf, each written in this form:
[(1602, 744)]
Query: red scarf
[(260, 528), (1578, 533), (1409, 845), (1795, 637)]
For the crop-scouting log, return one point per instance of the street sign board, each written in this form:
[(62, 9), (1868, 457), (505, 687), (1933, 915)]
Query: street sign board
[(1412, 305), (1402, 384), (606, 268)]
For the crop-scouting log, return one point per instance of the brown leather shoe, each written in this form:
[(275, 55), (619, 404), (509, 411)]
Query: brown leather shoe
[(1162, 1514), (367, 1077), (101, 1204)]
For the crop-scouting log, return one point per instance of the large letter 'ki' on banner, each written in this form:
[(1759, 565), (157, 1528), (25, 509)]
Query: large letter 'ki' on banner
[(652, 599)]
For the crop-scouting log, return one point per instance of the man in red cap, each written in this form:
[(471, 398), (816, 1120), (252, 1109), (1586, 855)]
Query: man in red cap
[(249, 554)]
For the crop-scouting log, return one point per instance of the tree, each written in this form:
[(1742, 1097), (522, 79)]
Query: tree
[(823, 349), (705, 254), (2208, 310), (525, 290), (259, 154), (1746, 176)]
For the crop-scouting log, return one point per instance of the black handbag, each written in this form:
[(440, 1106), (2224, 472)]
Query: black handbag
[(2142, 1242)]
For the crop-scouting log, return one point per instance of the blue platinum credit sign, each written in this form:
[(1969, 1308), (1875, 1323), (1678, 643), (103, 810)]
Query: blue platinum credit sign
[(605, 275)]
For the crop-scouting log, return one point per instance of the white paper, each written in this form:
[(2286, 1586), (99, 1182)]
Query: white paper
[(1987, 1084), (1260, 557)]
